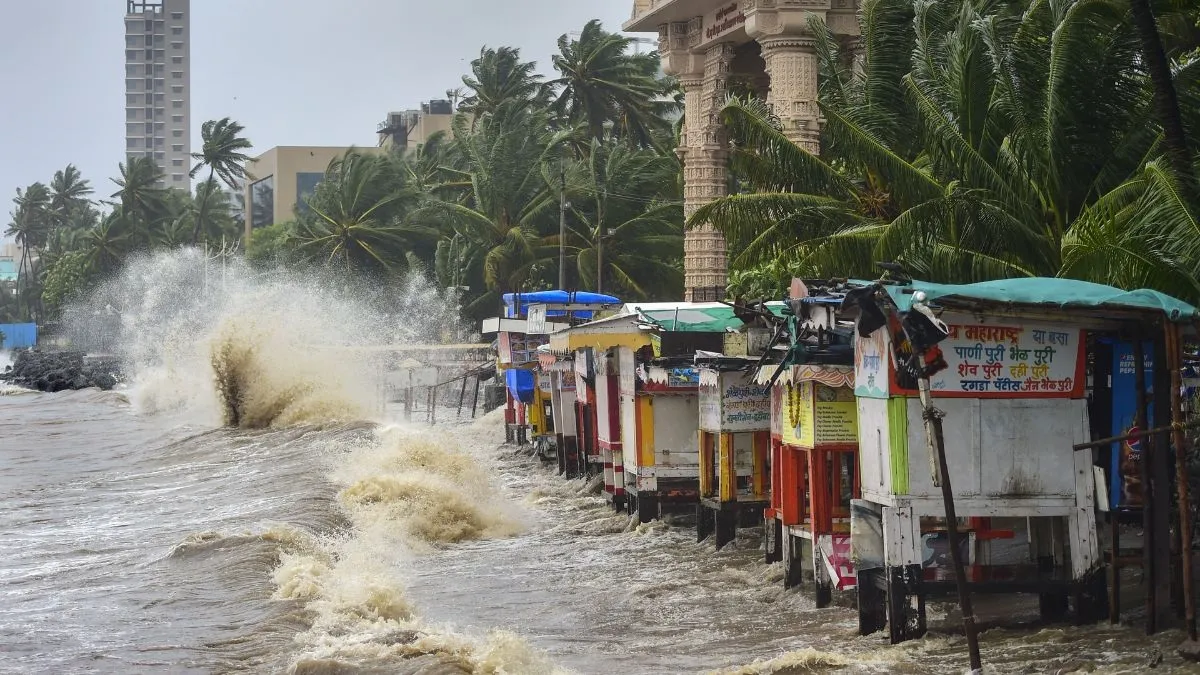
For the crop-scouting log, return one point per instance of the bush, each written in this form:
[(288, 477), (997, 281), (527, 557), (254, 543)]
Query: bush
[(270, 245), (67, 278)]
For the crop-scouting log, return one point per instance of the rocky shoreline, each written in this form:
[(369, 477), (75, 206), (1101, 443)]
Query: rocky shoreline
[(60, 371)]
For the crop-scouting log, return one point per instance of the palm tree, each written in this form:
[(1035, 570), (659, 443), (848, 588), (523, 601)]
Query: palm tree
[(68, 195), (975, 144), (626, 230), (428, 167), (1166, 100), (353, 218), (602, 86), (218, 220), (222, 154), (498, 77), (140, 196), (108, 243), (501, 221), (30, 227)]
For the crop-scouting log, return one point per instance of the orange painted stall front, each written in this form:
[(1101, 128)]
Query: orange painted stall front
[(814, 455)]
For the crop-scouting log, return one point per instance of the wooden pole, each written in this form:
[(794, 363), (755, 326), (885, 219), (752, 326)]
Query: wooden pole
[(408, 400), (475, 397), (937, 443), (933, 427), (433, 405), (1161, 490), (1174, 353), (1139, 377), (462, 394), (1137, 434)]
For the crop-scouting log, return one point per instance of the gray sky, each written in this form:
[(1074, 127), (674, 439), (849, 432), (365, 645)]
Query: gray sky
[(293, 72)]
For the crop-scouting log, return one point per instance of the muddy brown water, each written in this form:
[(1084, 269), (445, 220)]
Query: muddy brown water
[(135, 542)]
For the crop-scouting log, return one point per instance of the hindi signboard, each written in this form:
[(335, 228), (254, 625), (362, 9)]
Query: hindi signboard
[(1008, 359), (736, 404), (871, 369)]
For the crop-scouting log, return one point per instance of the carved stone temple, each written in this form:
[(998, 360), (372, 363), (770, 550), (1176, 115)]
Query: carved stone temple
[(763, 45)]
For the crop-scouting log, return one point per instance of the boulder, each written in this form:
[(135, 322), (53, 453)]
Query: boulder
[(60, 371)]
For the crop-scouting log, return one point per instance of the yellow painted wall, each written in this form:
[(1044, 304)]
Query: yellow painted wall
[(645, 431)]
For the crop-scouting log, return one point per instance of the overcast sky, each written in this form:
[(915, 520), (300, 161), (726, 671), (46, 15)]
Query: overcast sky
[(294, 72)]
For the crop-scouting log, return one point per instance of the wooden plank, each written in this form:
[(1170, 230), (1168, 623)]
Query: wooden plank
[(901, 537), (1081, 524), (1041, 507)]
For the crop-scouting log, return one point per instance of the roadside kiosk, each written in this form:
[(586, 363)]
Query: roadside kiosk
[(1006, 365)]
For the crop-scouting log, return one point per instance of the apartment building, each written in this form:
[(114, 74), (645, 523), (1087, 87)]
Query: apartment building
[(410, 128), (281, 180), (157, 86)]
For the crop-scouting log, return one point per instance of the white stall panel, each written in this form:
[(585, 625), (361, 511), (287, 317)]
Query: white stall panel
[(1027, 446), (676, 437), (626, 385), (960, 428), (565, 418), (874, 454)]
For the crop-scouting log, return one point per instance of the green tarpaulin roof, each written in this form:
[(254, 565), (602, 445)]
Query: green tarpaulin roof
[(709, 319), (1048, 291)]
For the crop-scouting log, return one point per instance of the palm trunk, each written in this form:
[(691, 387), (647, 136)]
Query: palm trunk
[(23, 280), (201, 208), (1166, 101)]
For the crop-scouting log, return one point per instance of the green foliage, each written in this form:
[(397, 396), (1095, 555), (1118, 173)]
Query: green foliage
[(626, 225), (66, 240), (355, 219), (222, 154), (977, 141), (610, 91), (499, 78), (767, 281), (67, 278), (271, 246)]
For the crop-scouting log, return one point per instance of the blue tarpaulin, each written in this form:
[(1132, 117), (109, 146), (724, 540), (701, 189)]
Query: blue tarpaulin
[(520, 384), (18, 335), (517, 304)]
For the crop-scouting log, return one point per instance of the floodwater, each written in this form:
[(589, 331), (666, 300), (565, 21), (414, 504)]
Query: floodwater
[(139, 534)]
